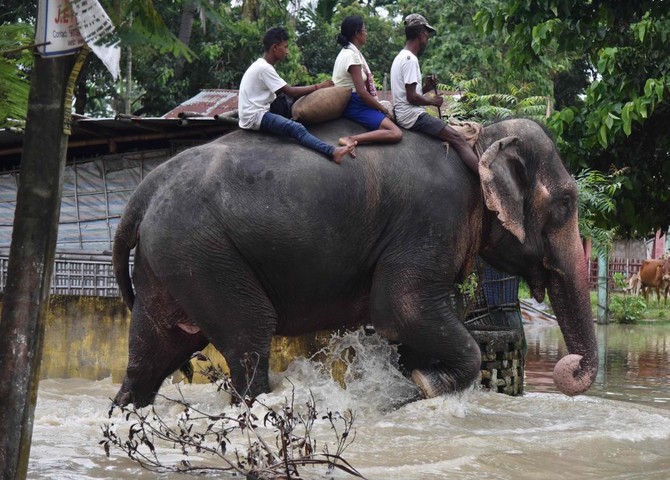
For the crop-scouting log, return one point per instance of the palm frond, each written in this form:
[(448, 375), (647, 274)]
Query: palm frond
[(490, 112), (498, 98), (14, 68)]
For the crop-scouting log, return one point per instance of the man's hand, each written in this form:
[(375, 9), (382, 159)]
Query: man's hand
[(326, 84), (437, 100), (430, 83)]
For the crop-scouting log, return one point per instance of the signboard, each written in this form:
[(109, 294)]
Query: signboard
[(67, 25), (57, 24)]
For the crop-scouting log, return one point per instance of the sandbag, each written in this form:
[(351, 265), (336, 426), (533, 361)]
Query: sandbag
[(469, 130), (322, 105), (387, 105)]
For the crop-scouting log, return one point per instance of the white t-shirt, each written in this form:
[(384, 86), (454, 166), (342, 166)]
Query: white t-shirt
[(345, 59), (257, 92), (405, 71)]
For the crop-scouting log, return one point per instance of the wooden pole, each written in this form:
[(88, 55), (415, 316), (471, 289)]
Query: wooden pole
[(31, 258)]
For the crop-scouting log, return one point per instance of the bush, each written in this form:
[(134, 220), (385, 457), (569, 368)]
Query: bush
[(626, 308)]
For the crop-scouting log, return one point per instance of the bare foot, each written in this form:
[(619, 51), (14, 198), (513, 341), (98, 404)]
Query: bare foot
[(348, 142), (340, 152)]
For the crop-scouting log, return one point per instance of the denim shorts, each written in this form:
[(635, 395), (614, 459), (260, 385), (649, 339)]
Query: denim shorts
[(360, 112), (428, 124)]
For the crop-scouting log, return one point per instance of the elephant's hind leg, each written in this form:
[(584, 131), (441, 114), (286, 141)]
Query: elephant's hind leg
[(154, 352), (234, 313)]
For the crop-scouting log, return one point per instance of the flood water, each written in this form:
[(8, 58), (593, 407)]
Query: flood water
[(620, 430)]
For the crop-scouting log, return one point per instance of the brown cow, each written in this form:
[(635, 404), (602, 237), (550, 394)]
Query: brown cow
[(655, 274)]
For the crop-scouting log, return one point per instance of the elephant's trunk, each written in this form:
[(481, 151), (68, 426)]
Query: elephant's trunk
[(570, 299)]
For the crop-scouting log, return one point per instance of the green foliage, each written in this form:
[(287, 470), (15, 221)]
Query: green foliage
[(14, 68), (142, 23), (316, 40), (224, 50), (18, 11), (460, 50), (628, 308), (469, 286), (597, 192), (487, 107), (622, 116)]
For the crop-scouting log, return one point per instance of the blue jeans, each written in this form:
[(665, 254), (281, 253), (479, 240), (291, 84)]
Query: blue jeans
[(283, 126)]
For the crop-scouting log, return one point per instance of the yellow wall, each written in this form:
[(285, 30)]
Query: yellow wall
[(87, 337)]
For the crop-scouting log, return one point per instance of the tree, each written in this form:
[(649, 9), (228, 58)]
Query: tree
[(31, 260), (621, 117), (460, 53), (15, 62), (316, 37), (597, 192)]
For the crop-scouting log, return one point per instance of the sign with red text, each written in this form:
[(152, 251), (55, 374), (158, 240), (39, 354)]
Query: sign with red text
[(57, 28), (64, 26)]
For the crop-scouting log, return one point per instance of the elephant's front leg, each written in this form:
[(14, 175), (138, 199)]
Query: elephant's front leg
[(408, 307)]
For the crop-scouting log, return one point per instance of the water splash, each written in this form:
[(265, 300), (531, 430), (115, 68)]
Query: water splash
[(370, 371)]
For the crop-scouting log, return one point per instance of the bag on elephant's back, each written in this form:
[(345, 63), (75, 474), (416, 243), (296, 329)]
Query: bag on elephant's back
[(282, 105), (322, 105)]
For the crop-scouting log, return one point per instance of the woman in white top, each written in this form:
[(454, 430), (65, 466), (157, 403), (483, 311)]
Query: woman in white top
[(351, 70)]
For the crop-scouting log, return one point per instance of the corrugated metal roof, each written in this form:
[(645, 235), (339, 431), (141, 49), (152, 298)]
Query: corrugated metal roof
[(208, 103), (95, 136)]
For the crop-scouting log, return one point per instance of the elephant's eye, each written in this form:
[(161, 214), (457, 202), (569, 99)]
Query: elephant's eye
[(562, 209)]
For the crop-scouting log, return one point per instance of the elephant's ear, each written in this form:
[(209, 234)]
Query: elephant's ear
[(503, 178)]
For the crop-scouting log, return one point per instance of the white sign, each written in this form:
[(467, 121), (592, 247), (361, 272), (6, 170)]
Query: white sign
[(57, 24), (70, 24)]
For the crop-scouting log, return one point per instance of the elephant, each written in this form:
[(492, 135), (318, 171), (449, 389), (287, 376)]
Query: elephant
[(252, 235)]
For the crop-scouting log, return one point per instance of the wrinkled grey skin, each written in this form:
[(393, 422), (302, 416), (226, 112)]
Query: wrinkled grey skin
[(252, 235)]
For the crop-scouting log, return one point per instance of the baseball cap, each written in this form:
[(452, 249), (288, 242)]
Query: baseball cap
[(414, 19)]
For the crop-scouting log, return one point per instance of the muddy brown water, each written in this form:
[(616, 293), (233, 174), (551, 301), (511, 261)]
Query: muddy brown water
[(619, 430)]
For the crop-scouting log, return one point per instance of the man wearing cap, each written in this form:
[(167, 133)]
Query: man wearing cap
[(408, 98)]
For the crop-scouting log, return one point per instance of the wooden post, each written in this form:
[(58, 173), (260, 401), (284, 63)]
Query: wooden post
[(31, 259)]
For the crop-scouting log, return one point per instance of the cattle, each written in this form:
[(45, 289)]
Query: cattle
[(655, 274), (633, 285)]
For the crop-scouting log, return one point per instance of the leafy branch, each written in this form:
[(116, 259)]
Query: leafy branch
[(235, 437), (596, 202)]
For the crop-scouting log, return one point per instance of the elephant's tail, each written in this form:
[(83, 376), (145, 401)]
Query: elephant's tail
[(125, 240)]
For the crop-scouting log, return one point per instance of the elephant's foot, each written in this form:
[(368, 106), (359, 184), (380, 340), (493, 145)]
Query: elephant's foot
[(432, 383), (441, 380)]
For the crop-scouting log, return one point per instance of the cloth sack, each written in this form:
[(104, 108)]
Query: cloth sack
[(322, 105), (282, 105), (470, 130)]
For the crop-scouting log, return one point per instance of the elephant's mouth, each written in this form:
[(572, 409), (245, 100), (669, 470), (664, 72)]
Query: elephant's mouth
[(537, 288), (538, 292)]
